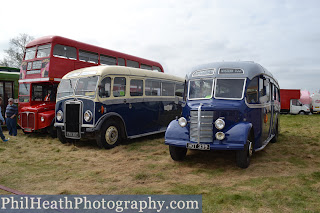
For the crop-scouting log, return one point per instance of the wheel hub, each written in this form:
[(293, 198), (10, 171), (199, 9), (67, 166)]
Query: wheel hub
[(111, 135)]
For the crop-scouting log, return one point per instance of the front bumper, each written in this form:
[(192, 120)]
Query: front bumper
[(235, 137)]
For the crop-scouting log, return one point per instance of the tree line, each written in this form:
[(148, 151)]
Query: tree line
[(14, 54)]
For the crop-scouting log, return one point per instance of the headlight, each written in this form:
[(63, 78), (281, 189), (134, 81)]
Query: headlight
[(42, 119), (219, 123), (182, 122), (59, 115), (220, 136), (87, 116)]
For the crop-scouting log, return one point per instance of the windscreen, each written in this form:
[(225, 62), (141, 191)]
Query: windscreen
[(44, 51), (30, 53), (87, 86), (200, 89), (229, 88), (66, 87)]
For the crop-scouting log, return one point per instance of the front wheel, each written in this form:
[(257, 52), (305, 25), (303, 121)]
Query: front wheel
[(52, 131), (109, 136), (243, 156), (177, 153), (60, 136)]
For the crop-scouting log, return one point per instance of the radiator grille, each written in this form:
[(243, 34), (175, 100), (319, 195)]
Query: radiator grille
[(28, 121), (206, 126), (72, 119)]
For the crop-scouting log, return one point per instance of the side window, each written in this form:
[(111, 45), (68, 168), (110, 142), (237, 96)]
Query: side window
[(119, 87), (107, 60), (88, 56), (252, 91), (121, 62), (153, 88), (65, 51), (155, 68), (278, 95), (167, 89), (179, 90), (295, 102), (105, 88), (146, 67), (264, 90), (136, 87), (134, 64)]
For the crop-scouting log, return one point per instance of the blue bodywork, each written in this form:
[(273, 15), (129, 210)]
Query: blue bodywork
[(138, 117), (239, 120)]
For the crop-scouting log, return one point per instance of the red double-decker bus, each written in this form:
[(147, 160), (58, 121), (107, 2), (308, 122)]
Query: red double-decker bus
[(46, 61)]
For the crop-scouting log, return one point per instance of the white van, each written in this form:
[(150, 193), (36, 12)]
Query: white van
[(315, 103), (296, 107)]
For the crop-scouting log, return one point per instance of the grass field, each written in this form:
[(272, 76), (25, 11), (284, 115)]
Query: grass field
[(284, 177)]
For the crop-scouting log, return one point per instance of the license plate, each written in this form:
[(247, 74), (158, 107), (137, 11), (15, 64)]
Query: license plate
[(72, 134), (198, 146), (316, 107), (27, 129)]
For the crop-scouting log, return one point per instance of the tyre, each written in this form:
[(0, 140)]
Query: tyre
[(52, 131), (177, 153), (243, 156), (109, 136), (301, 113), (60, 136), (275, 138)]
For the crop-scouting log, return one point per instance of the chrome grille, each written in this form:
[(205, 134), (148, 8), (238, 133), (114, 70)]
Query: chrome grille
[(28, 121), (206, 126)]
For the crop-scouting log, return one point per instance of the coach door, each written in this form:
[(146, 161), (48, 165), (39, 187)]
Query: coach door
[(265, 100)]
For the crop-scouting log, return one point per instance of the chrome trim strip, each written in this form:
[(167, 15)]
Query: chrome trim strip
[(199, 121), (267, 142), (146, 134), (38, 79)]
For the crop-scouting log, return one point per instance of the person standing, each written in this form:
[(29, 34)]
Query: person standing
[(3, 122), (11, 114)]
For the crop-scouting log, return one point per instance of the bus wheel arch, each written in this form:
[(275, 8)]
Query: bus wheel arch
[(243, 156), (111, 133)]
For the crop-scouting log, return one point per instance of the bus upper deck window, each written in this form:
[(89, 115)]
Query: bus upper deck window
[(30, 53), (88, 56), (65, 51), (155, 68), (121, 62), (146, 67), (43, 51), (108, 60), (134, 64)]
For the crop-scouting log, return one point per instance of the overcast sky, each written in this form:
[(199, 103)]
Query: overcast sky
[(283, 36)]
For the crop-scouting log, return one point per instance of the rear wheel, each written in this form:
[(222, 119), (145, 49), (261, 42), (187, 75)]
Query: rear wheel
[(177, 153), (109, 136), (243, 156), (275, 137)]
